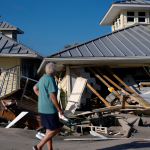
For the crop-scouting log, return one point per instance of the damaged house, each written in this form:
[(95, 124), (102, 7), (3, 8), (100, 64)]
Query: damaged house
[(113, 64), (110, 72), (18, 64)]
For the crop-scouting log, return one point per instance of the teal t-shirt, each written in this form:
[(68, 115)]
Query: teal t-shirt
[(46, 85)]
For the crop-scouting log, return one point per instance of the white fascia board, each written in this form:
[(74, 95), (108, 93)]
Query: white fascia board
[(119, 7), (8, 28), (96, 58), (19, 55)]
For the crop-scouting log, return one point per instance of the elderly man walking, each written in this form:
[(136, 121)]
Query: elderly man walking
[(46, 90)]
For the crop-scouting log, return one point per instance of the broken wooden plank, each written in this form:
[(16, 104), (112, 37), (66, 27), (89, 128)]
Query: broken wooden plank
[(123, 103), (75, 96), (114, 75), (102, 80), (116, 108), (3, 104), (21, 115), (119, 88), (92, 89)]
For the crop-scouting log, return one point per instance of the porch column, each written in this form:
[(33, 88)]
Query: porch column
[(68, 82)]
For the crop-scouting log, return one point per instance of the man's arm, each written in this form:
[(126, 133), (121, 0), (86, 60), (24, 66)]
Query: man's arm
[(54, 100), (36, 90)]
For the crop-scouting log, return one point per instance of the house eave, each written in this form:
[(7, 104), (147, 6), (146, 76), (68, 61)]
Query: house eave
[(17, 30), (21, 55), (95, 60), (115, 9)]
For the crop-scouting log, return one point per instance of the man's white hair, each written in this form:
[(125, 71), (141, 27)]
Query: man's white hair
[(50, 68)]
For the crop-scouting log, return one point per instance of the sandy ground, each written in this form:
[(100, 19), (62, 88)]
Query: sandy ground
[(21, 139)]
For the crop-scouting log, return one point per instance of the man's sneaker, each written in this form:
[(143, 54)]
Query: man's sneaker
[(35, 148)]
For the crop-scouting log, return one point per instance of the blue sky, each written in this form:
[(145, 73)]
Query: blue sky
[(49, 25)]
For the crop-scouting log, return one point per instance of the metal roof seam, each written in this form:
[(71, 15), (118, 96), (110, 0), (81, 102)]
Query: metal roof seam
[(70, 53), (79, 51), (115, 45), (4, 45), (146, 29), (131, 43), (139, 40), (88, 50), (97, 48), (143, 36), (11, 48), (135, 39), (123, 45), (19, 50), (106, 47)]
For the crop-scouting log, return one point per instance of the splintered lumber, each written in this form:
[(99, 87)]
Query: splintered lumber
[(101, 79), (59, 83), (92, 89), (75, 96), (119, 88), (3, 105)]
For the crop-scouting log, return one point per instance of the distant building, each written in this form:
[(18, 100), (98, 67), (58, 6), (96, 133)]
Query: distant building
[(122, 14), (13, 53)]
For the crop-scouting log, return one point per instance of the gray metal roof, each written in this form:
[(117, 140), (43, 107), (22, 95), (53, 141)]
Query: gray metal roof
[(133, 2), (131, 41), (7, 26), (10, 46)]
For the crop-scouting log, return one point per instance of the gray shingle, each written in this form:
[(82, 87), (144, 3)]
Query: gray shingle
[(130, 41)]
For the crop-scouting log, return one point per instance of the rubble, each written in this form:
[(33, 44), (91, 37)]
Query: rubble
[(121, 105)]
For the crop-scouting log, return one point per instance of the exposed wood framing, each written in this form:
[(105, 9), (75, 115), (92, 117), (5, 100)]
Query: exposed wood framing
[(119, 88), (68, 82), (92, 89), (102, 80), (145, 102), (59, 83)]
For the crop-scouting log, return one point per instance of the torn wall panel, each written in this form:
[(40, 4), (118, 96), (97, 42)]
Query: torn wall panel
[(75, 95)]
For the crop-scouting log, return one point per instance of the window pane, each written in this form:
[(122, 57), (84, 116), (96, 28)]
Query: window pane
[(130, 19), (141, 19), (141, 13), (130, 13)]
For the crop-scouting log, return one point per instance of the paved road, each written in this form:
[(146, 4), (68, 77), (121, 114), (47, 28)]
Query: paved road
[(20, 139)]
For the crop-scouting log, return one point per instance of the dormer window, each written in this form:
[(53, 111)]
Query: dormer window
[(142, 17), (130, 16)]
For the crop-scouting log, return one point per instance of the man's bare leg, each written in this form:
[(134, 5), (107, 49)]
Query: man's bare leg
[(49, 134), (49, 144)]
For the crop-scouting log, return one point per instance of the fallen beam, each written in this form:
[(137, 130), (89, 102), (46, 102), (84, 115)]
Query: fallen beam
[(119, 88), (114, 75), (92, 89), (102, 80)]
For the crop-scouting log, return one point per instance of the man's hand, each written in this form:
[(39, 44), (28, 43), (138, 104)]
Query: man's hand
[(61, 112)]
